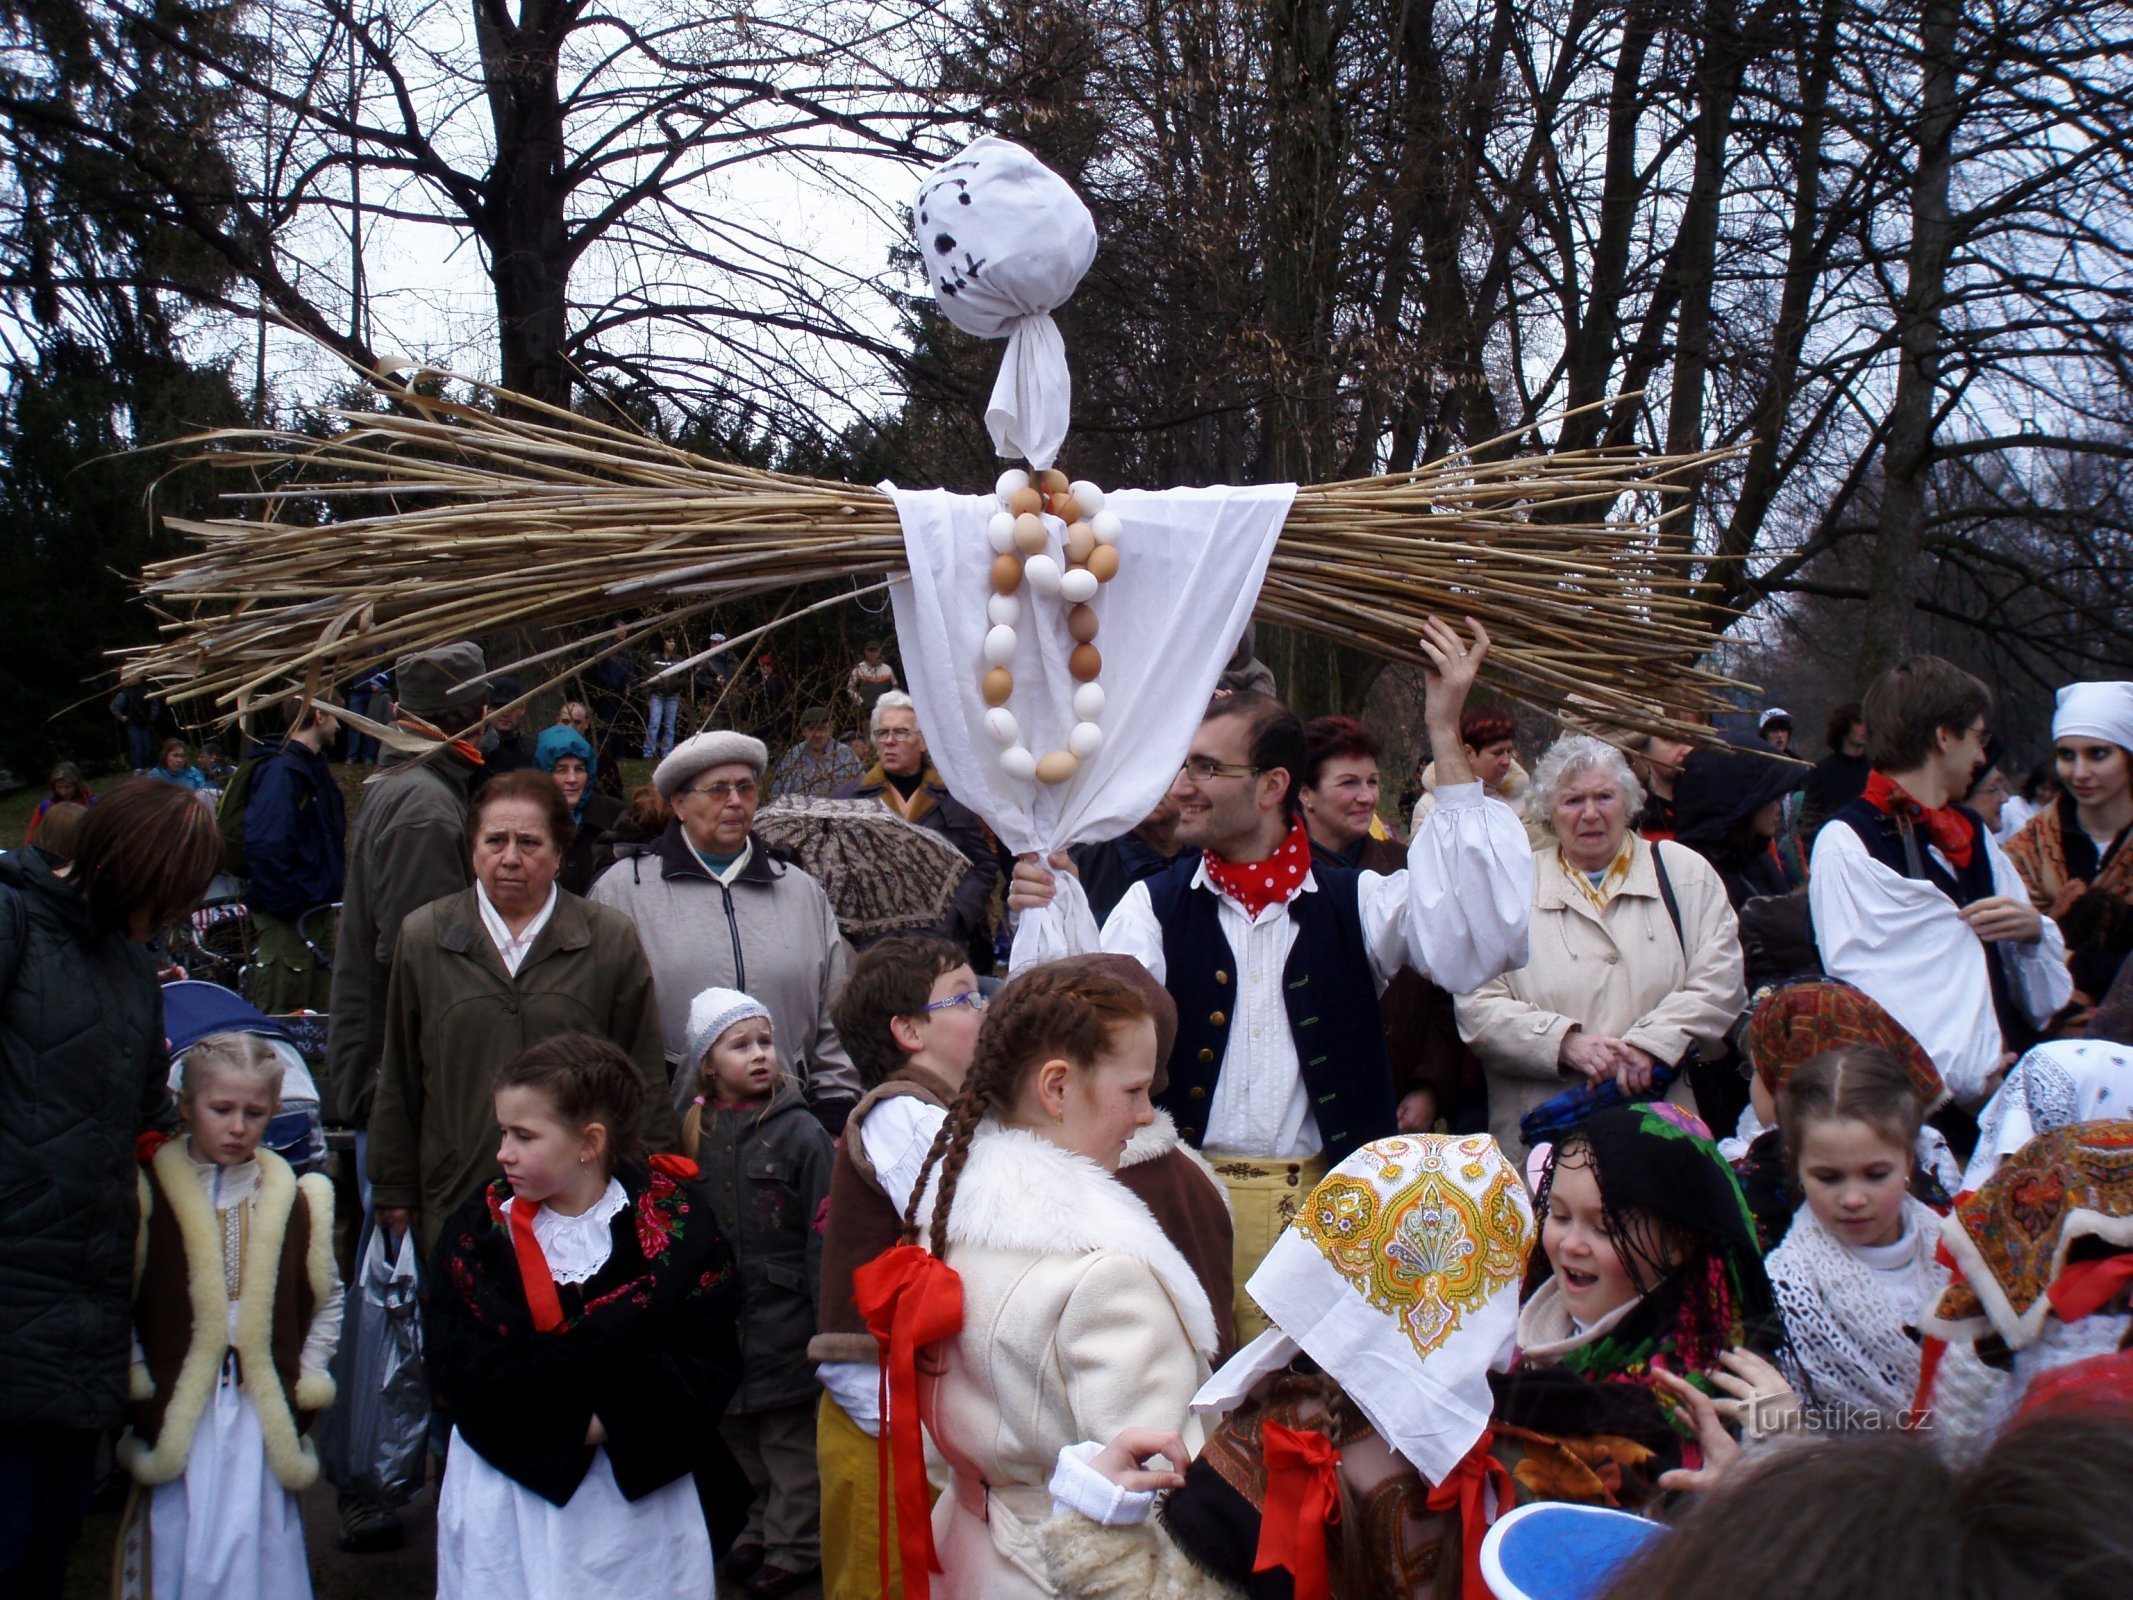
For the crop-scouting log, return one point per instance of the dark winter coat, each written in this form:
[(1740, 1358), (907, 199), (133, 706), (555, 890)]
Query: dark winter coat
[(646, 1345), (82, 1073), (295, 822), (767, 1173)]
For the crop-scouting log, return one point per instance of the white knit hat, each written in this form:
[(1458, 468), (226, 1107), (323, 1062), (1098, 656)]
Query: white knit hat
[(704, 751), (711, 1014)]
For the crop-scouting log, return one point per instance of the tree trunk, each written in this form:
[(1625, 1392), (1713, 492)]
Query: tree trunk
[(524, 222), (1907, 455)]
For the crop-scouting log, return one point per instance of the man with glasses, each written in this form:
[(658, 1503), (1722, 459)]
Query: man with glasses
[(1913, 901), (714, 909), (1277, 962), (906, 782)]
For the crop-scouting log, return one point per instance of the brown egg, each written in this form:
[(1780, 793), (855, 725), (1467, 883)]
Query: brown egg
[(1081, 624), (1024, 501), (1080, 543), (1103, 561), (1030, 536), (1085, 663), (1064, 507), (1057, 767), (998, 687), (1006, 574), (1052, 481)]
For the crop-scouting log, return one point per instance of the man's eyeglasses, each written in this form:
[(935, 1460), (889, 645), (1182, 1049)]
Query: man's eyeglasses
[(884, 735), (973, 998), (722, 792), (1201, 770)]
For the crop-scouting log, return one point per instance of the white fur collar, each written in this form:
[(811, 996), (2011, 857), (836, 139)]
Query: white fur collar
[(1020, 1192)]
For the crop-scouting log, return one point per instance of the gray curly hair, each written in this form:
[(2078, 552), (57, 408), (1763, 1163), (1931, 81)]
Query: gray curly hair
[(1572, 756)]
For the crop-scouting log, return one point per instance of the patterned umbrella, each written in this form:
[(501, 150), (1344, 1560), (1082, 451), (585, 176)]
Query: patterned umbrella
[(882, 874)]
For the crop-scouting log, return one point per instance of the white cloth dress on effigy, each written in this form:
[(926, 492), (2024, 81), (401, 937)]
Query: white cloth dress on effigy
[(496, 1537)]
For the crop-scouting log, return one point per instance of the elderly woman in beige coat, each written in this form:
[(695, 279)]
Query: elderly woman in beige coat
[(1611, 990)]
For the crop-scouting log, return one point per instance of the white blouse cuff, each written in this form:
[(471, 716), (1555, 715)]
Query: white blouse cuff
[(1077, 1486)]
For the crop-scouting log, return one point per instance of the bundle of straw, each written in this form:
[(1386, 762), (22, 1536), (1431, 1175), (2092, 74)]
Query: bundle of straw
[(456, 520)]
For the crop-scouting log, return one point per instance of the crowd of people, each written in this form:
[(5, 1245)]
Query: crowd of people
[(1641, 1124)]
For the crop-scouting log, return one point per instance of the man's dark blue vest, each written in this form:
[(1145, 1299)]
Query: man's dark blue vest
[(1328, 988)]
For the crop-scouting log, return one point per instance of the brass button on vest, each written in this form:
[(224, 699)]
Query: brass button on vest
[(1221, 976), (1207, 1055), (1217, 1018)]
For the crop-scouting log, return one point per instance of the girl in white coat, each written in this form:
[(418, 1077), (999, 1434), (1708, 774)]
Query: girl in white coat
[(1079, 1317)]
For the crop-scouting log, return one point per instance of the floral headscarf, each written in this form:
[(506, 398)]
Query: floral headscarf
[(1794, 1024)]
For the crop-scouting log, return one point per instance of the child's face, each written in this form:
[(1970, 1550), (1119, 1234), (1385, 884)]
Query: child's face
[(541, 1153), (1854, 1179), (948, 1034), (1094, 1111), (227, 1114), (1595, 1280), (174, 761), (742, 1063)]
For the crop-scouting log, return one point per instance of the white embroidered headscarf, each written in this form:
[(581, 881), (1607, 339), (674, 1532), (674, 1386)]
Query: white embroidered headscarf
[(2066, 1081), (1400, 1279), (2095, 711)]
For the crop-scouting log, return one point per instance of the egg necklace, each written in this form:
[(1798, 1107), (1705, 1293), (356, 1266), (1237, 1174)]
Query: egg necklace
[(1018, 535)]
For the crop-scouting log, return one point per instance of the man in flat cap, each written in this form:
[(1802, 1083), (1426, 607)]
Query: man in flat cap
[(714, 909)]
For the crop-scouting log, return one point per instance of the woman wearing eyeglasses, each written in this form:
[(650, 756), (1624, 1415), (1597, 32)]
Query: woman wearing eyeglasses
[(716, 911), (479, 976)]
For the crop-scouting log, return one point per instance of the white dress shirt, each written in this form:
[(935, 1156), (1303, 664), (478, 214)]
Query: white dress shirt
[(512, 947), (1457, 915), (1906, 944)]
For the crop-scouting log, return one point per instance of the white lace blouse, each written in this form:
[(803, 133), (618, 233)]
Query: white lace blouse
[(577, 1247)]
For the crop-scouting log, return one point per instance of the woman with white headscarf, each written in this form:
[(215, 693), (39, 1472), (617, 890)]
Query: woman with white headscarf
[(2075, 845)]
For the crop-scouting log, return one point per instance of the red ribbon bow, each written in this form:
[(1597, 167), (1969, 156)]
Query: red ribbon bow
[(1465, 1488), (910, 1298), (1947, 827), (2088, 1286), (539, 1282), (1303, 1497)]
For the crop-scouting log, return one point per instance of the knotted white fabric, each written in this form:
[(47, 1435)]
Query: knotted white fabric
[(1005, 241), (1193, 561)]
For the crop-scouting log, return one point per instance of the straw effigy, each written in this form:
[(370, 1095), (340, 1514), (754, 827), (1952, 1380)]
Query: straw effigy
[(451, 520)]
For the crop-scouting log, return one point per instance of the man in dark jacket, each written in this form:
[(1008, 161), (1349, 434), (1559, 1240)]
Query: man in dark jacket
[(504, 748), (294, 825), (904, 781)]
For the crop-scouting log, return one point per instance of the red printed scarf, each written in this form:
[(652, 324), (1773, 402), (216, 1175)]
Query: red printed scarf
[(1947, 827), (1255, 885)]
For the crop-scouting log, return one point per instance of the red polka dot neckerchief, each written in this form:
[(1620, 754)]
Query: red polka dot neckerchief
[(1255, 885)]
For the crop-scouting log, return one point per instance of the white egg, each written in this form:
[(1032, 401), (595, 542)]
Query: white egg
[(1000, 723), (1000, 532), (1089, 702), (1106, 526), (1085, 740), (1003, 609), (999, 645), (1077, 586), (1087, 496), (1043, 574), (1018, 763), (1012, 479)]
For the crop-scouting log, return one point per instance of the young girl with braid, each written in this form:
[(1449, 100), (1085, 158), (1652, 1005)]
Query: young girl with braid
[(1078, 1318)]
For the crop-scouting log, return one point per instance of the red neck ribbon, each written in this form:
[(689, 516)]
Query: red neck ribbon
[(466, 749), (1466, 1488), (533, 1270), (1255, 885), (1303, 1497), (1947, 827), (910, 1298), (2088, 1286)]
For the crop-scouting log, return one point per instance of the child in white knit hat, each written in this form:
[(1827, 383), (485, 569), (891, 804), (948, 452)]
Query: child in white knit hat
[(766, 1165)]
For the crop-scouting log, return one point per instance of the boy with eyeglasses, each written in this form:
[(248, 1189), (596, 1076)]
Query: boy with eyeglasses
[(1913, 901)]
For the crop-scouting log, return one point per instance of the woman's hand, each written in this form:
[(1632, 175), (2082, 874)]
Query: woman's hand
[(1721, 1451), (1633, 1068), (1453, 665), (1762, 1401), (1418, 1111), (1121, 1460), (395, 1220), (596, 1432), (1593, 1054)]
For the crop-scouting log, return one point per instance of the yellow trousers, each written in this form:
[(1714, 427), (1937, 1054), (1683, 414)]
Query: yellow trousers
[(854, 1500), (1264, 1197)]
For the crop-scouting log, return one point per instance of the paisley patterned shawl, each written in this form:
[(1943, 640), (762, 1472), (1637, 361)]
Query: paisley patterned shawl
[(1795, 1023), (2009, 1242), (2038, 851)]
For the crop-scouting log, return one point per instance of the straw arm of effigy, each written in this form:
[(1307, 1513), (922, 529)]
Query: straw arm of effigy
[(451, 520)]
